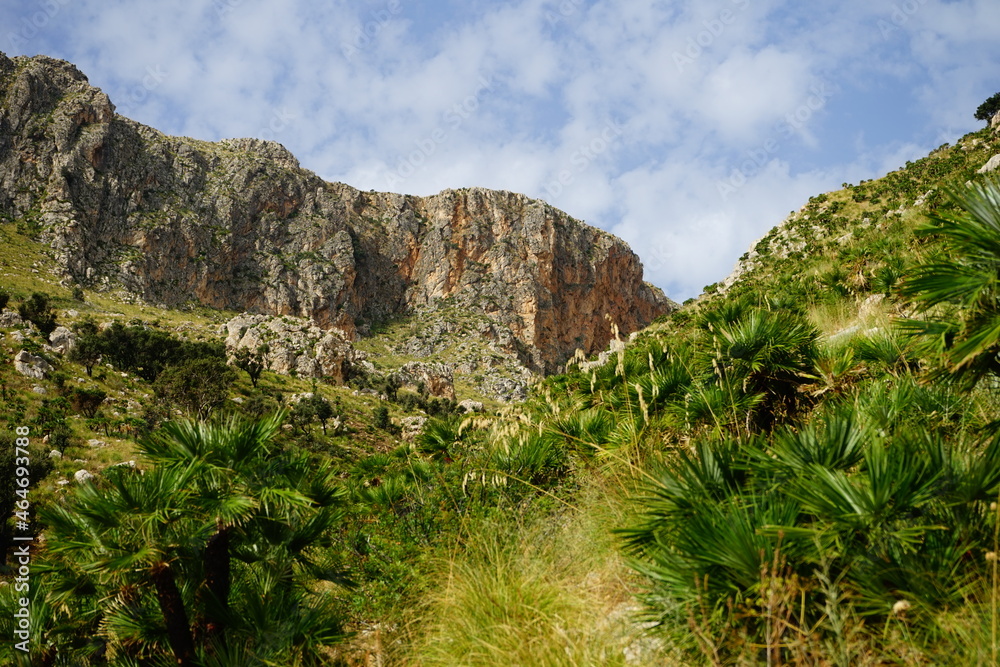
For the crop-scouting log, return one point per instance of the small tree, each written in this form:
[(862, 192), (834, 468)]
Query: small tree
[(382, 420), (4, 298), (254, 362), (87, 351), (989, 108), (319, 408), (302, 414), (37, 310), (391, 386), (87, 401), (197, 385)]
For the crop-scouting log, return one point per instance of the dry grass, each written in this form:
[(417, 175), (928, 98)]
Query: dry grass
[(554, 592)]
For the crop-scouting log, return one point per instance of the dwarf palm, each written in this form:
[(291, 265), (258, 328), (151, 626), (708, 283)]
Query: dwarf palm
[(769, 354), (966, 278), (165, 550), (131, 536), (252, 492)]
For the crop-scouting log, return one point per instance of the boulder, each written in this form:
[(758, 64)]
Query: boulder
[(62, 340), (31, 365), (10, 318), (412, 426), (293, 345), (991, 165), (469, 405), (82, 476)]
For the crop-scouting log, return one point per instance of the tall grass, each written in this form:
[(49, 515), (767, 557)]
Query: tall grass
[(551, 590)]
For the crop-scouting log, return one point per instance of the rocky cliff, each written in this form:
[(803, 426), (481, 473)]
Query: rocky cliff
[(240, 225)]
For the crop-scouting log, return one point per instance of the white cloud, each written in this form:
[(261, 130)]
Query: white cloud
[(700, 93)]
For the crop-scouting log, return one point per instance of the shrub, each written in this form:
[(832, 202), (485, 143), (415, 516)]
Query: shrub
[(37, 310), (198, 385), (87, 401), (382, 420)]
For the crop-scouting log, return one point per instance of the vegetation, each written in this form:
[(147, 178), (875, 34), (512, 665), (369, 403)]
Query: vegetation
[(989, 108), (37, 309), (801, 467)]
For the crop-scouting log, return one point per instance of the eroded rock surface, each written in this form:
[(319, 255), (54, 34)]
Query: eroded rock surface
[(240, 225)]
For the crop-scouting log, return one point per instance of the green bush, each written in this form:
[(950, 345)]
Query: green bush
[(38, 310)]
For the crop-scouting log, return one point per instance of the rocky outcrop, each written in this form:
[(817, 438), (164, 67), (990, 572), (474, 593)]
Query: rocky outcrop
[(291, 345), (469, 405), (10, 318), (240, 225), (437, 379), (31, 365), (991, 165)]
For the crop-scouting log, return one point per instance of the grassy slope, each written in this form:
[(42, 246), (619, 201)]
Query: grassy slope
[(837, 259)]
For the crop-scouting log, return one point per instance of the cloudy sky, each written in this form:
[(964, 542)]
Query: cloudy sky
[(688, 128)]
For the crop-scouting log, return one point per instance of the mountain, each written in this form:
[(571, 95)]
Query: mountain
[(240, 225)]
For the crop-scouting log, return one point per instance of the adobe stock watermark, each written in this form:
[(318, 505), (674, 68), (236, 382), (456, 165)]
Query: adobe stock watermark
[(281, 119), (899, 17), (424, 148), (657, 257), (582, 158), (564, 10), (22, 554), (225, 7), (714, 28), (29, 26), (757, 158), (137, 94), (365, 34)]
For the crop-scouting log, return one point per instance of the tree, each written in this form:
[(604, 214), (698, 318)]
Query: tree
[(37, 310), (989, 108), (382, 420), (320, 408), (254, 362), (87, 401), (391, 386), (198, 385), (87, 351), (958, 293), (147, 352), (109, 533)]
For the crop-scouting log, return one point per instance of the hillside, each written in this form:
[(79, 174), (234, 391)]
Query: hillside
[(223, 467)]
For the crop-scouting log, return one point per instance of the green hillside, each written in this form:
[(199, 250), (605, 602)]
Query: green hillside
[(802, 466)]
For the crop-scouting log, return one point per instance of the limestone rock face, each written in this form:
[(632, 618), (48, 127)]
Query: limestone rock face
[(240, 225)]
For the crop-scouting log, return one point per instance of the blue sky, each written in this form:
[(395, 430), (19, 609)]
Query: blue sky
[(686, 128)]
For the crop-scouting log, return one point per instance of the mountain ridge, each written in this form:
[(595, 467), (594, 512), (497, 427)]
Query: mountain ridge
[(240, 225)]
